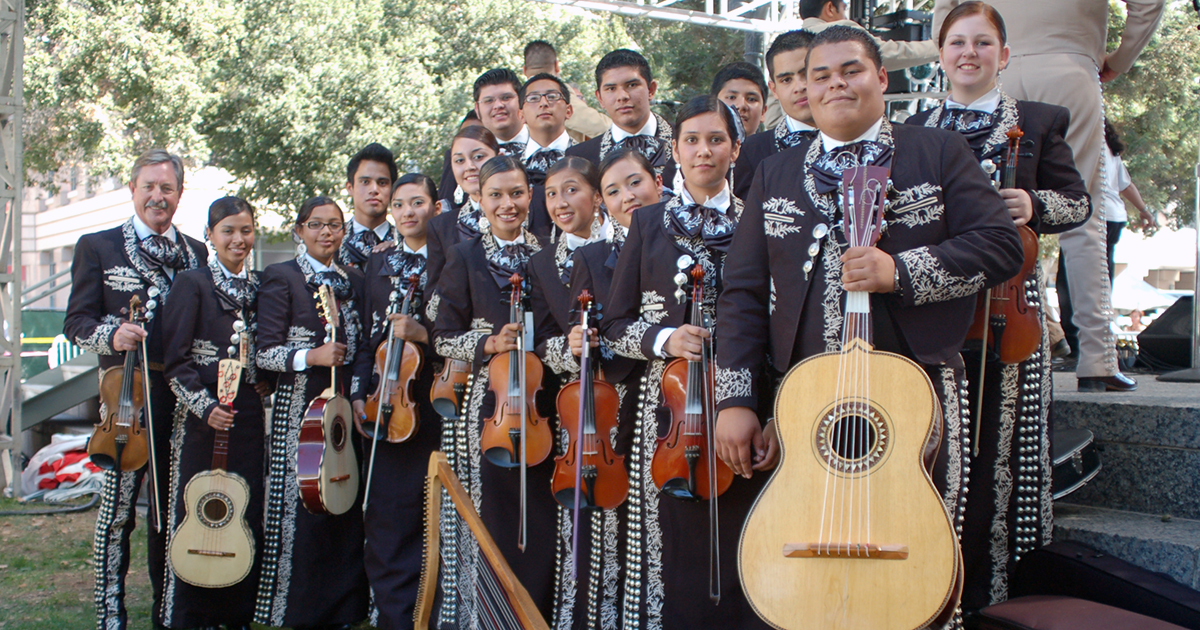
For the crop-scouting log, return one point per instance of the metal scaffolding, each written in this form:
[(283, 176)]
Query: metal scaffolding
[(12, 175)]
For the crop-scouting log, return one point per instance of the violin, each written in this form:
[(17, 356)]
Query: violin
[(119, 442), (446, 394), (588, 474), (398, 364), (516, 436), (1006, 324), (681, 465)]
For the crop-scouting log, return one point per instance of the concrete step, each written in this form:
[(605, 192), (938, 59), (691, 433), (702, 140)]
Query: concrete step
[(1169, 546), (1149, 441)]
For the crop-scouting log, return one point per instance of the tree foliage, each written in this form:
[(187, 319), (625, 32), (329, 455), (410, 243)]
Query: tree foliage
[(1156, 108)]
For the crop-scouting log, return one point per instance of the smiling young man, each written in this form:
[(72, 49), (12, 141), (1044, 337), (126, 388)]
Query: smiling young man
[(498, 105), (948, 236), (786, 60), (369, 177), (625, 87)]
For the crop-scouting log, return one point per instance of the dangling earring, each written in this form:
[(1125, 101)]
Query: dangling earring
[(595, 231), (301, 249), (730, 177), (553, 233), (459, 195), (484, 224)]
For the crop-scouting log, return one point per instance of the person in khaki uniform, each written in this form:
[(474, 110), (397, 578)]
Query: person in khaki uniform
[(897, 55), (1058, 56), (585, 122)]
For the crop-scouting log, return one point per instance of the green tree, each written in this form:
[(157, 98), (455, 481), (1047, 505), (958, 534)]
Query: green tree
[(1156, 108)]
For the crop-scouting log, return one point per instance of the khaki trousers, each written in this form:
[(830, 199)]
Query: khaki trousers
[(1072, 81)]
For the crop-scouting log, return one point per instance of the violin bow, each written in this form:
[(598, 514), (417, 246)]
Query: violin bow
[(147, 408)]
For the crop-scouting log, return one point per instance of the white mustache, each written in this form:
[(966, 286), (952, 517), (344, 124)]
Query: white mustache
[(156, 205)]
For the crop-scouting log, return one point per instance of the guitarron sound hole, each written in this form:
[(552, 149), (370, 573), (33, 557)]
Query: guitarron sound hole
[(338, 434), (852, 438)]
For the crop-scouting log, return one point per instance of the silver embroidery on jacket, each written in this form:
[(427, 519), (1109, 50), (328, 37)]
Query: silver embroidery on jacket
[(733, 383), (931, 282)]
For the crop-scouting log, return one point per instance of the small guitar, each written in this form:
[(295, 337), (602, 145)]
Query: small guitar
[(850, 531), (213, 547), (326, 466)]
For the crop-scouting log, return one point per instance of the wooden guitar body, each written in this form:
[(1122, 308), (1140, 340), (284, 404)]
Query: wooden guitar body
[(850, 531), (213, 547), (326, 466)]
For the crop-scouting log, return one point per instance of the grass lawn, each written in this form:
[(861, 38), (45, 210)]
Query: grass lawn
[(46, 572)]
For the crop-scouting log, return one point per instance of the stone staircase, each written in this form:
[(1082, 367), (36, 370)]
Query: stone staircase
[(1144, 505)]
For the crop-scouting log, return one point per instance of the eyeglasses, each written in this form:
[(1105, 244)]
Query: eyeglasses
[(488, 101), (334, 226), (551, 98)]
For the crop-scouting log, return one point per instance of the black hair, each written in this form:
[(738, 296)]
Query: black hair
[(419, 179), (497, 76), (1113, 139), (787, 42), (705, 104), (580, 165), (471, 115), (373, 152), (626, 154), (545, 76), (541, 53), (478, 133), (501, 164), (740, 70), (812, 8), (226, 207), (312, 203), (623, 58), (838, 33)]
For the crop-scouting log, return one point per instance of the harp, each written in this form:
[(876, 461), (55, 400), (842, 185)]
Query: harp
[(500, 597)]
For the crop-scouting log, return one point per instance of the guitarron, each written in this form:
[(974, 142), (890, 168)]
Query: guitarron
[(850, 531), (213, 547), (326, 466)]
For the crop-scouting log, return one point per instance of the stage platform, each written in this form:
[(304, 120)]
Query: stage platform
[(1144, 505)]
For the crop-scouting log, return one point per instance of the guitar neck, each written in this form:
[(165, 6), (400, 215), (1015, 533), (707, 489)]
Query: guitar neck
[(220, 449)]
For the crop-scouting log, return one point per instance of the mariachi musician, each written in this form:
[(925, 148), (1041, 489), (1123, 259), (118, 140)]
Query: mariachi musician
[(210, 309), (394, 518), (140, 257), (948, 236), (1011, 473), (312, 564)]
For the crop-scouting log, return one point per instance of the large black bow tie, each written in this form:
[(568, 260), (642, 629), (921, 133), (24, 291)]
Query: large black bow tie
[(340, 286), (234, 293), (512, 148), (539, 163), (163, 253), (648, 146), (715, 227), (508, 260), (468, 224), (794, 138), (828, 168), (403, 263), (357, 246), (976, 126)]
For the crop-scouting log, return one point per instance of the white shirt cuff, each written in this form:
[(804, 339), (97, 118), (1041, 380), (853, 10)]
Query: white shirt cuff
[(300, 361), (661, 340)]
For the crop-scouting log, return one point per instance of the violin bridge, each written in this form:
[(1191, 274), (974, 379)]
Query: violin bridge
[(845, 550)]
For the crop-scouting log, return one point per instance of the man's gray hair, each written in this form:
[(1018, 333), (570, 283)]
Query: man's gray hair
[(154, 157)]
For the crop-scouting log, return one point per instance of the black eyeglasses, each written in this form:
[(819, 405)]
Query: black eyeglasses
[(551, 98), (316, 226)]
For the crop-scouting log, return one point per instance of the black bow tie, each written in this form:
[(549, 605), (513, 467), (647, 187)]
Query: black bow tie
[(468, 223), (794, 138), (340, 286), (403, 263), (234, 293), (976, 126), (828, 168), (163, 253), (512, 148), (357, 247), (539, 163), (508, 260), (648, 146), (715, 227)]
